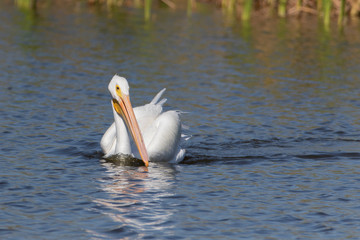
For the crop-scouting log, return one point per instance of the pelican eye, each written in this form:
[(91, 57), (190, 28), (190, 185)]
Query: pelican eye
[(118, 91)]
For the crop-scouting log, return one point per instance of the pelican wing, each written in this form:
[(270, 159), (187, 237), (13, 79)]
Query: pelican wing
[(108, 141), (165, 135)]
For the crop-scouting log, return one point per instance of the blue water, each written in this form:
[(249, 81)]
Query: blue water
[(272, 107)]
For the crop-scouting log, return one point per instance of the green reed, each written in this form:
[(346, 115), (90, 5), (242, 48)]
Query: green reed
[(298, 5), (147, 9), (189, 7), (282, 8), (26, 4), (230, 6), (246, 12), (327, 12), (341, 12)]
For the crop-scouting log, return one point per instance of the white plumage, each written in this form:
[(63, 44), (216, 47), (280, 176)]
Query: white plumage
[(160, 132)]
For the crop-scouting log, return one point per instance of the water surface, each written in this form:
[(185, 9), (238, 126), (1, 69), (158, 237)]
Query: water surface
[(272, 107)]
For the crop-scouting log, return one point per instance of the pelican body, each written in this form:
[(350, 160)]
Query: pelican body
[(156, 135)]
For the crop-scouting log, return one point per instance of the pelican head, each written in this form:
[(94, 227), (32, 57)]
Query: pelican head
[(119, 90), (118, 86)]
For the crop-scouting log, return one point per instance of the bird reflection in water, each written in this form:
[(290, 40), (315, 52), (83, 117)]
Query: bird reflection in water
[(135, 195)]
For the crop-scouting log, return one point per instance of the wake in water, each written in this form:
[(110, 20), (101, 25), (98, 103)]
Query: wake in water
[(202, 150)]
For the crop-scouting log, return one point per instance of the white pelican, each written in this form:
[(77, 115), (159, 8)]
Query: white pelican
[(156, 133)]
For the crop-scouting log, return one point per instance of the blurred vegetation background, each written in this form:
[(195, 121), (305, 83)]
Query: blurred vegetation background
[(243, 10)]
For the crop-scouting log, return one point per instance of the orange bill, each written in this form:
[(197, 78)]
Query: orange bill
[(125, 109)]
